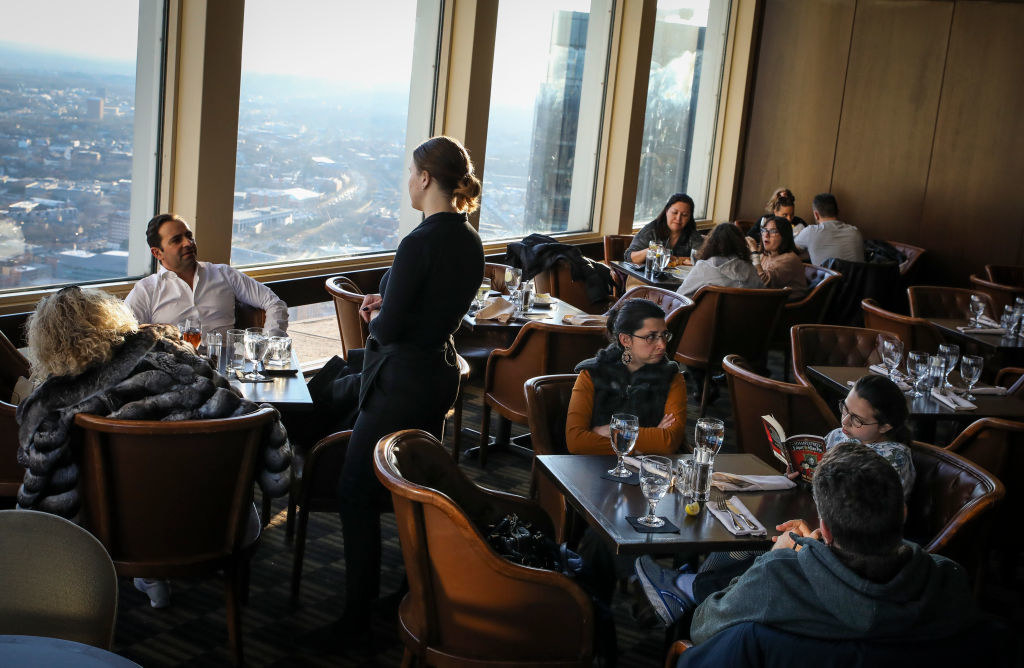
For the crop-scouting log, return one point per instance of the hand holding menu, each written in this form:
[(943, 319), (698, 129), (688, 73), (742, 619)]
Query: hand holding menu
[(800, 452)]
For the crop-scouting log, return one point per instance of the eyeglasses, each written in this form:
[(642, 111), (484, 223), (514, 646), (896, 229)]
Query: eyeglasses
[(767, 231), (855, 420), (665, 336)]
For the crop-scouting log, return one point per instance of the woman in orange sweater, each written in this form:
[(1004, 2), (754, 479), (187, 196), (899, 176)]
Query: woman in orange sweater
[(632, 376)]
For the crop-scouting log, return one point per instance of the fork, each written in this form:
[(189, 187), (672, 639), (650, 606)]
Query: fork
[(719, 499)]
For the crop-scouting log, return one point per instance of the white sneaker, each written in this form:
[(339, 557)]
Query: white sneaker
[(159, 591)]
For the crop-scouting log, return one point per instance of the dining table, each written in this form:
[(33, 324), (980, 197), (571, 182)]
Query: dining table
[(998, 350), (553, 311), (670, 279), (604, 504), (286, 389)]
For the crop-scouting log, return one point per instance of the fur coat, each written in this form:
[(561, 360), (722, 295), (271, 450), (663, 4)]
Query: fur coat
[(152, 376)]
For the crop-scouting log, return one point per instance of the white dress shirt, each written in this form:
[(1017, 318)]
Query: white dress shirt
[(164, 297), (831, 238)]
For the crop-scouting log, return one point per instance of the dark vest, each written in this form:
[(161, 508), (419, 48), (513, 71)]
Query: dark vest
[(616, 390)]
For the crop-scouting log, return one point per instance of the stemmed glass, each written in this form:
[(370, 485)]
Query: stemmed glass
[(891, 349), (624, 430), (513, 275), (256, 344), (977, 308), (951, 352), (970, 371), (191, 331), (917, 368), (655, 473), (481, 293)]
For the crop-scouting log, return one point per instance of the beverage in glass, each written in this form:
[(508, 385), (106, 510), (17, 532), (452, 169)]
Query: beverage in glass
[(650, 259), (655, 474), (666, 257), (256, 342), (951, 352), (191, 332), (891, 349), (214, 341), (917, 369), (970, 371), (513, 275), (482, 292), (279, 351), (526, 295), (235, 349), (624, 430), (936, 371), (708, 438)]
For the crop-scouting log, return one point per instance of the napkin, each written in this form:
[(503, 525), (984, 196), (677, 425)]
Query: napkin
[(585, 319), (982, 330), (731, 482), (952, 401), (724, 517), (905, 387), (990, 390), (985, 320), (499, 309), (240, 377), (879, 369), (542, 298)]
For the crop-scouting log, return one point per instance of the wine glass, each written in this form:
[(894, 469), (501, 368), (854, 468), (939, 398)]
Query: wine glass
[(256, 343), (482, 292), (655, 473), (917, 368), (970, 371), (891, 350), (624, 430), (951, 352), (977, 308), (513, 275)]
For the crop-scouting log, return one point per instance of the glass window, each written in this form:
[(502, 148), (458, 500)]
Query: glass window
[(78, 135), (324, 123), (682, 104), (550, 62)]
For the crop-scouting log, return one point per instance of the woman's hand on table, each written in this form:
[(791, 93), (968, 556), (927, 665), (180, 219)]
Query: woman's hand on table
[(604, 430), (370, 304)]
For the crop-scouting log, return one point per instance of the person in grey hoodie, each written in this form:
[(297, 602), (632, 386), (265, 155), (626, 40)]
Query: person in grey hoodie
[(723, 260), (854, 576)]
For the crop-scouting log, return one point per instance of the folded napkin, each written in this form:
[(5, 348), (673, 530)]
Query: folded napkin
[(990, 390), (585, 319), (879, 369), (724, 517), (982, 330), (905, 387), (731, 482), (952, 401), (240, 377), (542, 298), (499, 309), (985, 320)]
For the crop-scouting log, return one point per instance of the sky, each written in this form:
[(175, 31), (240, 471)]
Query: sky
[(106, 29)]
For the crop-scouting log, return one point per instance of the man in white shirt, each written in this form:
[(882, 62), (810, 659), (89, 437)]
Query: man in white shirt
[(185, 287), (828, 236)]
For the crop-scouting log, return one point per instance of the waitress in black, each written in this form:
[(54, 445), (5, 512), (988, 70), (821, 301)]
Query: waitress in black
[(410, 376)]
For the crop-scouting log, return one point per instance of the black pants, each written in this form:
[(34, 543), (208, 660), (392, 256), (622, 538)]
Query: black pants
[(409, 393)]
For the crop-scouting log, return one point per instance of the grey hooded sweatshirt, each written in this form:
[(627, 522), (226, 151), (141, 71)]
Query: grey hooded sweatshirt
[(811, 593), (727, 272)]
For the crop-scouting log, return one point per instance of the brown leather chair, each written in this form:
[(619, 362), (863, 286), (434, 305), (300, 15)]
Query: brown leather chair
[(539, 349), (933, 301), (1012, 378), (832, 345), (249, 316), (915, 333), (316, 490), (728, 321), (347, 302), (1001, 295), (466, 604), (950, 507), (677, 310), (174, 499), (547, 403), (1006, 274), (615, 246), (558, 282), (11, 472), (911, 253), (798, 408), (745, 225), (997, 446), (57, 580), (811, 309)]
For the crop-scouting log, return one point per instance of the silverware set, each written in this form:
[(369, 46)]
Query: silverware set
[(722, 503)]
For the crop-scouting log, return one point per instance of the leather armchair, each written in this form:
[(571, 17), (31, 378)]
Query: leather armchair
[(915, 333), (832, 345), (12, 366), (615, 246), (466, 604), (1006, 274), (1012, 378), (1000, 294), (11, 472), (558, 282), (798, 408), (677, 310), (811, 309), (933, 301), (249, 316), (912, 254), (347, 301), (496, 272), (547, 401)]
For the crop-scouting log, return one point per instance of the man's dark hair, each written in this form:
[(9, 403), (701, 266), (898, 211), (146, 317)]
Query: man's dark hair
[(860, 498), (153, 227), (825, 204)]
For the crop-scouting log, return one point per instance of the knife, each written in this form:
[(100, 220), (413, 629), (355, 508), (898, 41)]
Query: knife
[(735, 511)]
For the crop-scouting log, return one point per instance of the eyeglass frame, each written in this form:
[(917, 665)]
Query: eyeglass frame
[(769, 232), (855, 420), (665, 336)]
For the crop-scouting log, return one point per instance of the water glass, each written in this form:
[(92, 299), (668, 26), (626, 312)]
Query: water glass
[(235, 351), (1018, 315), (951, 352), (684, 477), (652, 249), (526, 296), (624, 430), (279, 351), (917, 369), (936, 371), (256, 343), (513, 276), (891, 350), (970, 371), (482, 292), (655, 474), (1009, 320), (213, 341), (708, 438), (977, 308)]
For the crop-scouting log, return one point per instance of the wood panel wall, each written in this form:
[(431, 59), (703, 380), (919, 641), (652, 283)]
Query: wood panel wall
[(910, 111)]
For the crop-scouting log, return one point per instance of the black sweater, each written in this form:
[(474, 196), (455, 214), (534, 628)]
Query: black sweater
[(437, 270)]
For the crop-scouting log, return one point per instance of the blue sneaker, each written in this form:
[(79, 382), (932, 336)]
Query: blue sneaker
[(668, 601), (159, 591)]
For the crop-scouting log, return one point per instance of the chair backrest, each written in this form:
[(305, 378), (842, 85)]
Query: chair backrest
[(912, 254), (811, 309), (165, 494), (249, 316), (744, 225), (915, 333), (862, 280), (11, 472), (615, 246), (1006, 274), (832, 345), (1001, 295), (677, 310), (496, 272), (950, 504), (12, 365), (347, 302), (558, 282), (465, 600), (57, 580), (547, 402), (799, 409), (727, 321), (539, 349), (998, 447), (936, 301)]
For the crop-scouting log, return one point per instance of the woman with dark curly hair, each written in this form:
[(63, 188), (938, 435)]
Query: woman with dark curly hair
[(674, 228), (723, 260)]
